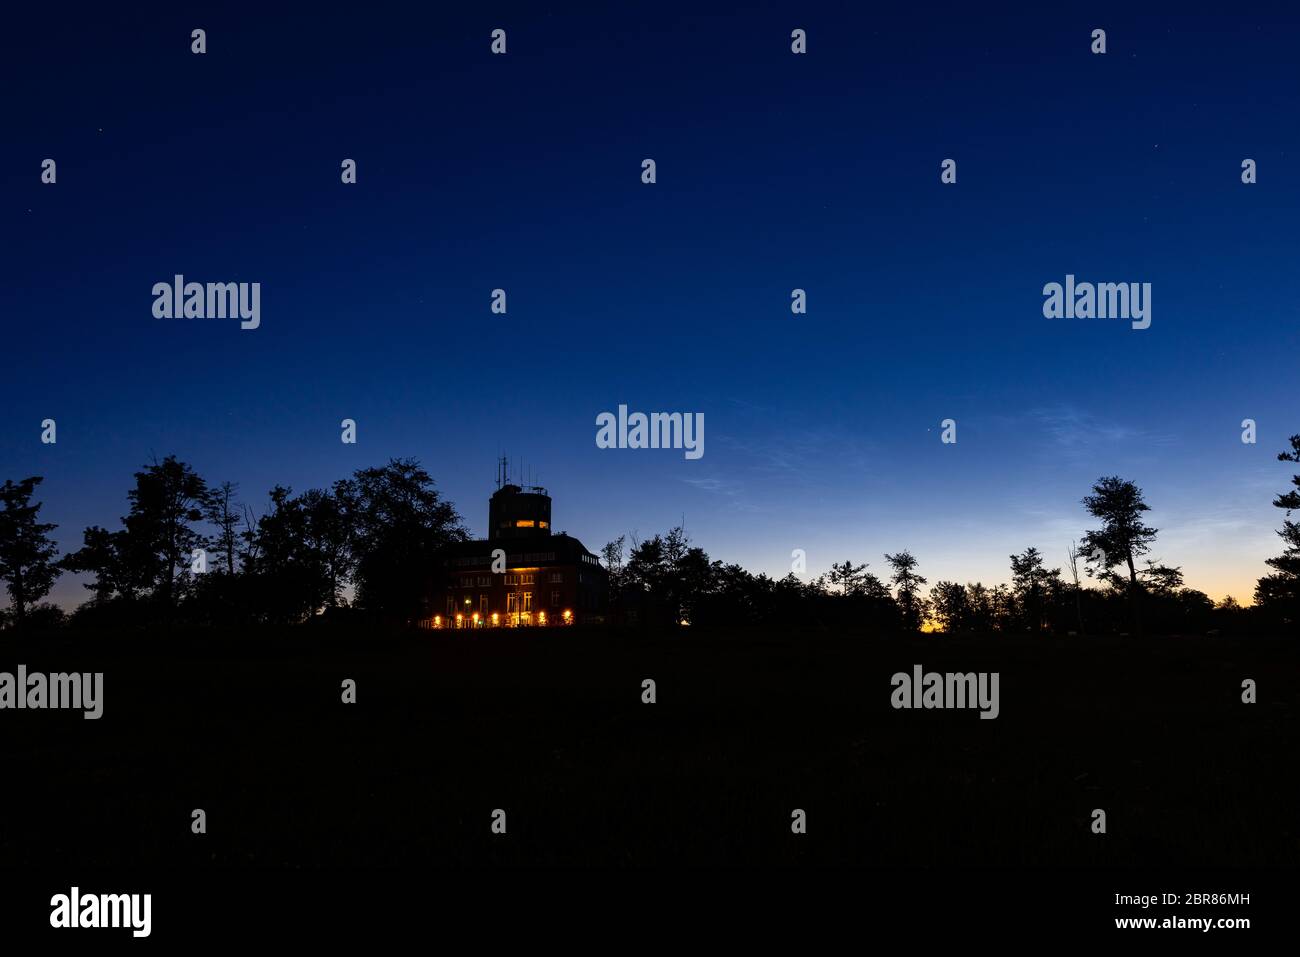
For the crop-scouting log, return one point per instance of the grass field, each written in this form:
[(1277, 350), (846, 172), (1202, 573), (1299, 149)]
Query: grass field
[(550, 727)]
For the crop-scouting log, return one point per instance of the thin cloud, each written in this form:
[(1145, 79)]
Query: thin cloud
[(733, 492), (1081, 436)]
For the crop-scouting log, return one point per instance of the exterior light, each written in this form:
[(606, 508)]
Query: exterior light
[(568, 615), (437, 621), (541, 617), (476, 618), (495, 618)]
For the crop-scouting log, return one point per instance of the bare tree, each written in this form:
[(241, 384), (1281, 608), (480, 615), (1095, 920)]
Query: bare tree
[(221, 511), (1072, 560)]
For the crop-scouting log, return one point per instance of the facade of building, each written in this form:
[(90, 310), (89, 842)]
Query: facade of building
[(546, 580)]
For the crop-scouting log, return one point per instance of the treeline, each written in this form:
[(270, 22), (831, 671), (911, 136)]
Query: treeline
[(665, 580), (188, 552)]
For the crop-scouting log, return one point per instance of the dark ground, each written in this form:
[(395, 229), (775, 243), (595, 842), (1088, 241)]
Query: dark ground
[(550, 727)]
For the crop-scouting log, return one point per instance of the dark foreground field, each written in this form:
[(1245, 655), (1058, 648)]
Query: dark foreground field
[(550, 727)]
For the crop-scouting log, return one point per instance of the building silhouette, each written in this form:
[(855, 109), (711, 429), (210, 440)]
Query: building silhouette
[(521, 575)]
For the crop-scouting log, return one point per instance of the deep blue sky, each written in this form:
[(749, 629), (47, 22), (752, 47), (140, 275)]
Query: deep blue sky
[(775, 171)]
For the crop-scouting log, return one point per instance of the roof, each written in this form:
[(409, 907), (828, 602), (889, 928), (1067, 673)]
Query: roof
[(526, 550)]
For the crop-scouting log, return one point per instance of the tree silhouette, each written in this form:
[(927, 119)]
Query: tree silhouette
[(1160, 579), (1118, 505), (911, 604), (612, 554), (27, 564), (301, 554), (221, 510), (981, 603), (848, 576), (151, 555), (646, 575), (1072, 556), (671, 576), (951, 604), (399, 524), (166, 503), (1280, 591), (106, 555), (1031, 584)]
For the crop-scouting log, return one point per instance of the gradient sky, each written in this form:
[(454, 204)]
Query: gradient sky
[(775, 171)]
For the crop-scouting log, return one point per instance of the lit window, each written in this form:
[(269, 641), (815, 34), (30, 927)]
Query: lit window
[(525, 523), (543, 524)]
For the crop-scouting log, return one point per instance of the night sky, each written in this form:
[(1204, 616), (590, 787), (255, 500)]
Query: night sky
[(775, 172)]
